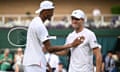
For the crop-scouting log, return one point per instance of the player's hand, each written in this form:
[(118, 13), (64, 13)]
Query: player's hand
[(78, 41), (49, 69)]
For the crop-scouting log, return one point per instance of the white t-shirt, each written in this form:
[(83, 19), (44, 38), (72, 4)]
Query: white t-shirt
[(36, 35), (52, 59), (81, 59)]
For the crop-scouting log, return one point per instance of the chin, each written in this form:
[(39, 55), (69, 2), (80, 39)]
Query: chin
[(75, 27)]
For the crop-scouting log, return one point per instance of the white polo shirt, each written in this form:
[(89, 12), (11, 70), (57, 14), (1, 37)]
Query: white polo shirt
[(36, 35), (81, 59)]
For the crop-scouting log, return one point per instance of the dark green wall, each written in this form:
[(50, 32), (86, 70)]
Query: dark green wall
[(16, 36), (106, 37)]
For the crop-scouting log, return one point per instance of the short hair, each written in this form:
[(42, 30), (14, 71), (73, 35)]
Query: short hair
[(110, 51), (60, 63)]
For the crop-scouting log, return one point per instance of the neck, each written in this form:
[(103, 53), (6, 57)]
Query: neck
[(79, 29)]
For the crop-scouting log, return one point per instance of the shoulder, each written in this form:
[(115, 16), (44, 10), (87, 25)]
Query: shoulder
[(36, 21), (70, 34), (35, 18), (33, 22), (88, 31)]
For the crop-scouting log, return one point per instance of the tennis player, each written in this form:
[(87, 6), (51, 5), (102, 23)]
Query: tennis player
[(38, 38), (81, 59)]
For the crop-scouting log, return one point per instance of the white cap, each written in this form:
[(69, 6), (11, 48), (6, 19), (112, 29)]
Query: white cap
[(45, 5), (78, 14)]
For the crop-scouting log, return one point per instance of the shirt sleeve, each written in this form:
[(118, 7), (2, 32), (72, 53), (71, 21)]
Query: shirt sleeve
[(42, 33), (93, 41)]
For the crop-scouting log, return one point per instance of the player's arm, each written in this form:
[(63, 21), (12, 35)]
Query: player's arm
[(52, 49), (63, 52), (98, 56), (96, 50)]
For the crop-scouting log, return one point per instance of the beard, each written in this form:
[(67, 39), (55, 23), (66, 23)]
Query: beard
[(48, 17)]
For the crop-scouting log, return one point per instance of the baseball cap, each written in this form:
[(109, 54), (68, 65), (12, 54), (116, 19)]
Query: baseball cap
[(45, 5), (78, 14)]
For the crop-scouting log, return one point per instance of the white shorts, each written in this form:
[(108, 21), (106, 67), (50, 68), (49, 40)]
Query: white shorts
[(34, 68)]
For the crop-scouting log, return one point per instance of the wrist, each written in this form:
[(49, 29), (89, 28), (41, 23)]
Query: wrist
[(70, 45)]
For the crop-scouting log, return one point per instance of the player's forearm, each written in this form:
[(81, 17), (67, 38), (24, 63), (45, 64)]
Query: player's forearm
[(61, 53), (51, 49), (98, 63), (58, 48)]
